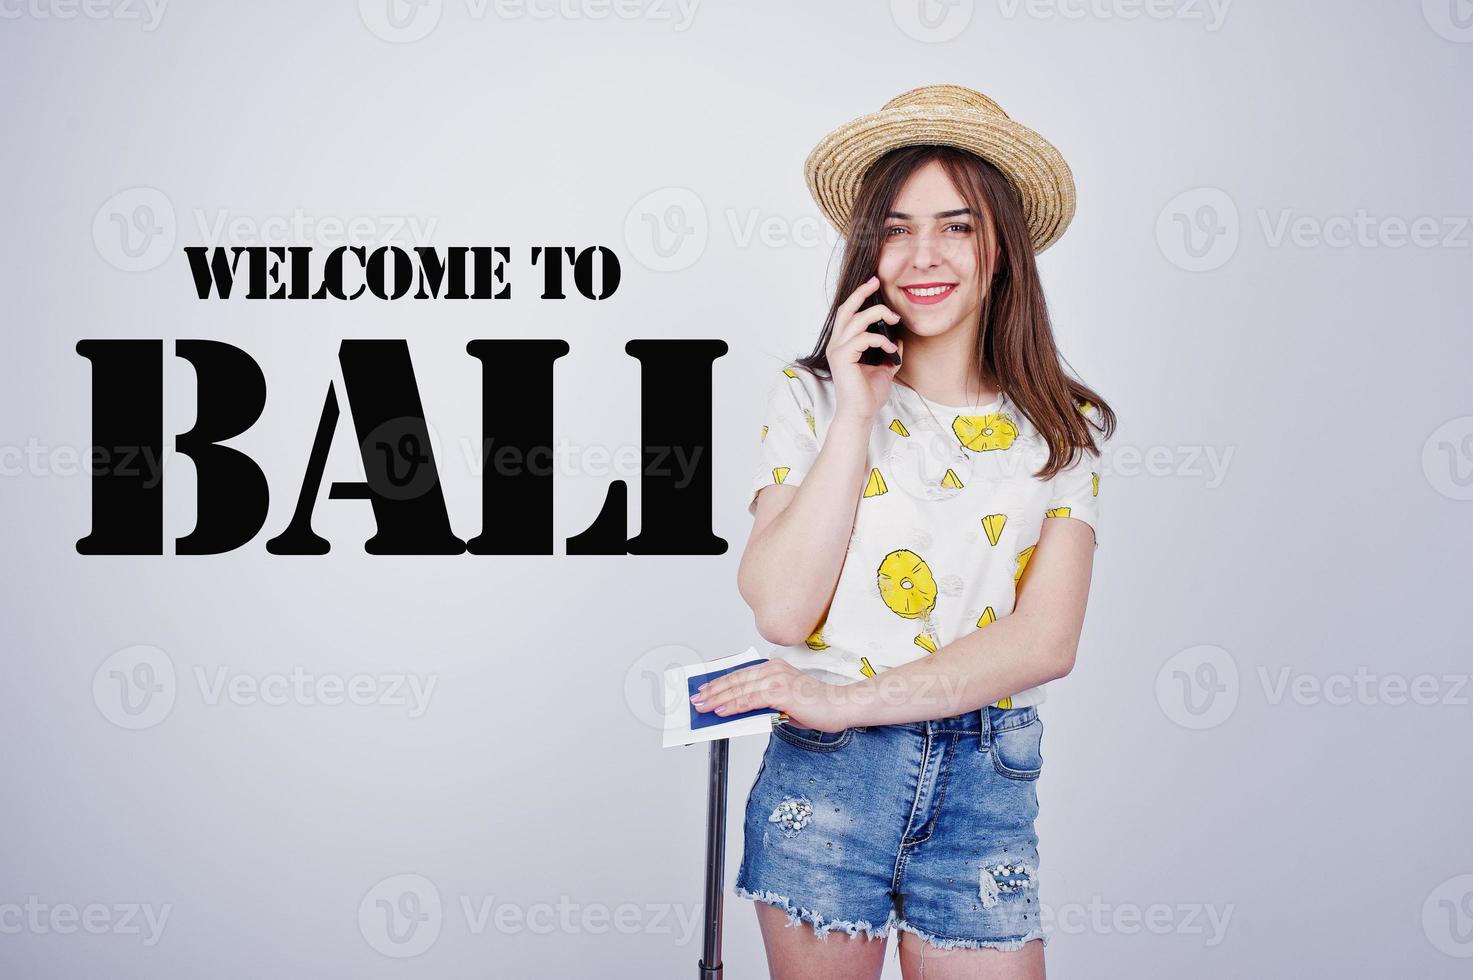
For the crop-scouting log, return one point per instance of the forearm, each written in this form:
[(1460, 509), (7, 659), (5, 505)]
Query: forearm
[(1010, 655), (792, 565)]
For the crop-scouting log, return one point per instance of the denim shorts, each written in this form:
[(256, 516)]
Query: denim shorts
[(925, 827)]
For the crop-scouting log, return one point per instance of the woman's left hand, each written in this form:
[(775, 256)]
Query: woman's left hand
[(807, 701)]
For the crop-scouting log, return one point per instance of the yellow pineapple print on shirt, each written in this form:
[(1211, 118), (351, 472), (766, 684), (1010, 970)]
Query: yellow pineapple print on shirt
[(981, 433), (1023, 557), (875, 485), (908, 589)]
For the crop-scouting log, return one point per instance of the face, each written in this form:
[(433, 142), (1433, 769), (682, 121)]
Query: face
[(928, 255)]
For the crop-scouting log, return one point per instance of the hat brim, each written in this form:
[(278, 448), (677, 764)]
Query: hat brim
[(837, 165)]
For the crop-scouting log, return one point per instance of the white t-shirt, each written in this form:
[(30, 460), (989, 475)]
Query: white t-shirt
[(942, 535)]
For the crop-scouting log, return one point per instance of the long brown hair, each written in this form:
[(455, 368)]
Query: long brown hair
[(1015, 341)]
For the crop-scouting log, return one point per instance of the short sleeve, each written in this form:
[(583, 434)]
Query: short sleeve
[(788, 436), (1075, 492)]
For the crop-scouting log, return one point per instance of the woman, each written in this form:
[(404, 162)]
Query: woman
[(900, 505)]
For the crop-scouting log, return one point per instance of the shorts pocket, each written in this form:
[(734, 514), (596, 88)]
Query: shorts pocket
[(1017, 752), (812, 739)]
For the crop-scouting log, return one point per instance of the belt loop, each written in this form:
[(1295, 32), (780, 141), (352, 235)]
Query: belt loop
[(984, 728)]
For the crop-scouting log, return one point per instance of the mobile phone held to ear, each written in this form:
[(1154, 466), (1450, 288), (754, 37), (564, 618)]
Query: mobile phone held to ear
[(875, 355)]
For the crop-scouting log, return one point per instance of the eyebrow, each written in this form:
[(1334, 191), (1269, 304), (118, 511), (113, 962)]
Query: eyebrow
[(939, 214)]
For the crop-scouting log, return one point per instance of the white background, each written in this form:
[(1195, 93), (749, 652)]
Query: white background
[(1287, 500)]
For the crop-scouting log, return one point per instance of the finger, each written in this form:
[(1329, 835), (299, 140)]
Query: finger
[(744, 698), (859, 325), (855, 349), (850, 306), (712, 692), (862, 320)]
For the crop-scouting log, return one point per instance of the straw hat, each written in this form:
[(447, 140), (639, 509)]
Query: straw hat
[(953, 116)]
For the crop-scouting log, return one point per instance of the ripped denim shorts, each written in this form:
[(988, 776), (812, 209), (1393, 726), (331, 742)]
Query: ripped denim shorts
[(925, 827)]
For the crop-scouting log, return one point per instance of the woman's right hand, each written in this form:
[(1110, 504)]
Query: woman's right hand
[(861, 390)]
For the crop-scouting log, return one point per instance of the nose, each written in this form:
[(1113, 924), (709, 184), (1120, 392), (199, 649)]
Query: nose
[(926, 253)]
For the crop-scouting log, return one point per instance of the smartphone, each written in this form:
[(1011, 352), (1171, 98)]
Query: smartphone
[(875, 355)]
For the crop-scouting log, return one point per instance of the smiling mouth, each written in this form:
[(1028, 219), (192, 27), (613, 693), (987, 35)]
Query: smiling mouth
[(927, 293)]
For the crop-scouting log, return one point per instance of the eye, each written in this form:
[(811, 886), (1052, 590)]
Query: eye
[(893, 228), (962, 225)]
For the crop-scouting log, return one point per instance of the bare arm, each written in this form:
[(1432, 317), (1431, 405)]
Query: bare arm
[(800, 538), (1036, 643)]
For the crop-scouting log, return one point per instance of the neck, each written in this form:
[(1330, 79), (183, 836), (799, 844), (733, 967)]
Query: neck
[(944, 369)]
